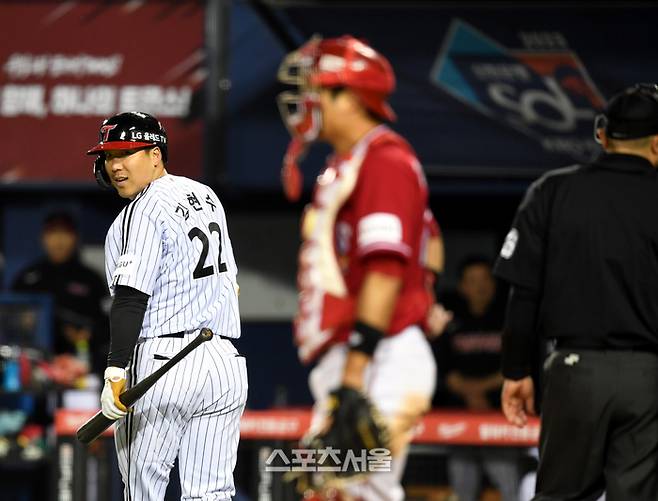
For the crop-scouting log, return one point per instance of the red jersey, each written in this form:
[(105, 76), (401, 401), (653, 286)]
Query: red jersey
[(369, 202)]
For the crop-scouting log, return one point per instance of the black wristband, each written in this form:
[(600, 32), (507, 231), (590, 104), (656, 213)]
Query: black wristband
[(364, 338)]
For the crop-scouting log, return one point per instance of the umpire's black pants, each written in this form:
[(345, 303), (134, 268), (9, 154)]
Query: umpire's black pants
[(599, 427)]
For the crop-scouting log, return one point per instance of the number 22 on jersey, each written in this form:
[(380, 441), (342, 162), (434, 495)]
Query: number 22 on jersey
[(201, 271)]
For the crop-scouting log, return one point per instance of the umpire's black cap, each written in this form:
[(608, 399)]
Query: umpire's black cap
[(632, 113)]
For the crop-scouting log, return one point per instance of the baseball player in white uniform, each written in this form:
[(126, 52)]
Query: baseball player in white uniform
[(171, 271)]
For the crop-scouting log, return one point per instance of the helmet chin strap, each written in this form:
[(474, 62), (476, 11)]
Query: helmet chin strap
[(291, 176)]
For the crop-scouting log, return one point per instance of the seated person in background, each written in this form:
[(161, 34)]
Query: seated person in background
[(468, 359), (469, 350), (79, 323)]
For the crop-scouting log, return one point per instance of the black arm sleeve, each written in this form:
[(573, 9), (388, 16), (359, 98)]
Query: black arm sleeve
[(519, 334), (126, 317)]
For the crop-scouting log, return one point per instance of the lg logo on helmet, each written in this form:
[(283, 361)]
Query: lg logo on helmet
[(105, 132), (147, 136)]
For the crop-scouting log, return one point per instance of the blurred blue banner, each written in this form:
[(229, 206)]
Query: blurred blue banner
[(483, 92)]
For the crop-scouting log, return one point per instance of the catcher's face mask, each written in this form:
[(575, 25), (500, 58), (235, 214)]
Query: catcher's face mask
[(301, 113), (300, 108)]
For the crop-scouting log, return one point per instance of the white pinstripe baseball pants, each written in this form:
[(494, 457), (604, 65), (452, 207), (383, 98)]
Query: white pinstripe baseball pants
[(192, 413)]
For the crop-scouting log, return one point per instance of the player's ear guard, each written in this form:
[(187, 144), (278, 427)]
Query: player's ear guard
[(100, 173), (600, 124)]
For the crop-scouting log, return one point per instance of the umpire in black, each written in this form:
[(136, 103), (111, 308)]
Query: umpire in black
[(582, 262)]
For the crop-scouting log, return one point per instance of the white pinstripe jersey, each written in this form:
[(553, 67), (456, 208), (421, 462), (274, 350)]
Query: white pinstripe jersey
[(171, 242)]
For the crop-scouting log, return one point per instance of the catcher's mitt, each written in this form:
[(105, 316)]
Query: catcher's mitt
[(355, 428)]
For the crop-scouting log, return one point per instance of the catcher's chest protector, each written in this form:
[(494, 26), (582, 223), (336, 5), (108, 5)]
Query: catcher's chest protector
[(324, 302)]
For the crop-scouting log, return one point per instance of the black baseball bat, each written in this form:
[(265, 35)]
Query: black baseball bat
[(96, 425)]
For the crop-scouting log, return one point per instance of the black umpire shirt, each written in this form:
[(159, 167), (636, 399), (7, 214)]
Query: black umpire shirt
[(585, 241)]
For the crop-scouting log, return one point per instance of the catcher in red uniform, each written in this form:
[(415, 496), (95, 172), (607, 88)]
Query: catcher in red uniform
[(362, 266)]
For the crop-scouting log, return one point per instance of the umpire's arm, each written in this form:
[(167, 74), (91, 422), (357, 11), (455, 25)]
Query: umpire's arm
[(521, 263), (518, 394)]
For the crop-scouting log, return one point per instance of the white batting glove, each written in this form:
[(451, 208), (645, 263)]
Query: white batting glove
[(115, 382)]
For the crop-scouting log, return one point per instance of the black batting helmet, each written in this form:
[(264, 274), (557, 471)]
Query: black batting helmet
[(631, 114), (127, 131)]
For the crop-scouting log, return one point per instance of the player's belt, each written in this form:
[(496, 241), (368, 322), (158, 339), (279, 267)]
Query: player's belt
[(184, 333), (571, 343)]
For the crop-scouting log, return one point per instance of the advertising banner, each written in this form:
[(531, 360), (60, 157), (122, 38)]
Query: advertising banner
[(484, 91), (66, 66)]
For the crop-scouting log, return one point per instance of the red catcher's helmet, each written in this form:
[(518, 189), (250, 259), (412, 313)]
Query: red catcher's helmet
[(341, 62), (334, 62), (349, 62)]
